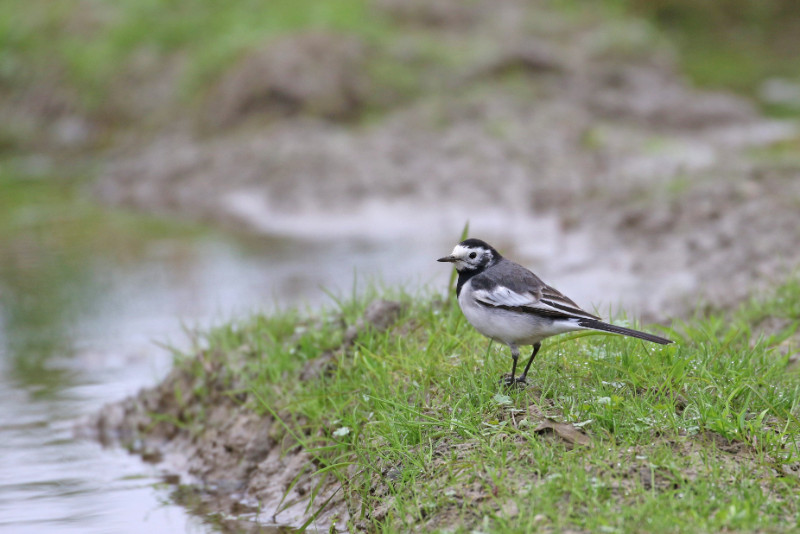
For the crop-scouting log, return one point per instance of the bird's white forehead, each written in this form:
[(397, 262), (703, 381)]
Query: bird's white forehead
[(460, 251)]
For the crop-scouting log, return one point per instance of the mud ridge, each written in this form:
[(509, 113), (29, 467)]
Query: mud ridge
[(243, 463), (614, 148)]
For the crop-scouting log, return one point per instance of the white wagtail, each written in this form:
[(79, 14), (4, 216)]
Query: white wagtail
[(506, 302)]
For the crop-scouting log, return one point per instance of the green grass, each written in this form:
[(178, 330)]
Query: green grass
[(694, 437), (99, 55), (90, 42), (730, 44), (721, 44)]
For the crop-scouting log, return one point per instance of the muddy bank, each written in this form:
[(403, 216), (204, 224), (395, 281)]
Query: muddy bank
[(675, 211), (238, 465), (579, 148), (240, 461)]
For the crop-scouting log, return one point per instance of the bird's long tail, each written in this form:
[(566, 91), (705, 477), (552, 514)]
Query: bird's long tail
[(600, 325)]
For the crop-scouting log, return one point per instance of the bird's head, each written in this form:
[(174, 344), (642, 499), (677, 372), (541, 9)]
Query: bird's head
[(472, 255)]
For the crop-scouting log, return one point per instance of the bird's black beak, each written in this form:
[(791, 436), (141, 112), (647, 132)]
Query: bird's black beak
[(448, 259)]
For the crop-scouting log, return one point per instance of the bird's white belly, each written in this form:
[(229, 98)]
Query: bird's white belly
[(507, 326)]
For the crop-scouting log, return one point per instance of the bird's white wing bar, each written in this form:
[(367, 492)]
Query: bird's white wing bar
[(503, 296)]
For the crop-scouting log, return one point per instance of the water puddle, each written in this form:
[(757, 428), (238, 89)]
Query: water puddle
[(88, 299)]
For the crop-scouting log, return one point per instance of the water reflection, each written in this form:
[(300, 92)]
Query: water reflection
[(59, 359), (40, 293), (84, 293)]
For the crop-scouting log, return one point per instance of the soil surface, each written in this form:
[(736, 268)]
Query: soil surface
[(593, 157), (588, 160)]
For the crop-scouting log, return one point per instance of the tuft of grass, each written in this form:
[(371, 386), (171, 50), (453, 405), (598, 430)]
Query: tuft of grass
[(731, 44), (725, 44), (613, 434)]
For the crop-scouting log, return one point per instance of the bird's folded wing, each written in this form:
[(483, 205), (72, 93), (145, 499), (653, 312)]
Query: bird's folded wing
[(554, 298), (551, 303)]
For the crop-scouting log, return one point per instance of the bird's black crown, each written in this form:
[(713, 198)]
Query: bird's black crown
[(479, 243)]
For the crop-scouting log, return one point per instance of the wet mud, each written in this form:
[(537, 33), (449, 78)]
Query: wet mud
[(580, 159)]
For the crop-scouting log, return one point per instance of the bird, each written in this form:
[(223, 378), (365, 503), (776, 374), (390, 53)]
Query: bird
[(507, 303)]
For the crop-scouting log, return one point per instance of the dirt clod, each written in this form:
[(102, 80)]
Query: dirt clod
[(310, 73), (379, 315)]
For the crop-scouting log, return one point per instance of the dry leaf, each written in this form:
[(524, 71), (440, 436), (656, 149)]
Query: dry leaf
[(565, 431)]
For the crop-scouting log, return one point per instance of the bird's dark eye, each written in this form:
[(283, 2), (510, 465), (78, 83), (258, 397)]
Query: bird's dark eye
[(473, 255)]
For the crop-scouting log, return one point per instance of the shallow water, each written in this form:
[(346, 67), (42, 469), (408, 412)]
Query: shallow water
[(83, 322)]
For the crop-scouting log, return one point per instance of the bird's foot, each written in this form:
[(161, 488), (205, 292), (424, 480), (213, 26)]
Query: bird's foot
[(518, 381)]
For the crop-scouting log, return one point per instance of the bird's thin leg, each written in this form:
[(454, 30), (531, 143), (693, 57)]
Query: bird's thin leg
[(536, 347), (515, 357)]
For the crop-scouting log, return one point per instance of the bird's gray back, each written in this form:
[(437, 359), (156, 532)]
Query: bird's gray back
[(511, 275), (522, 281)]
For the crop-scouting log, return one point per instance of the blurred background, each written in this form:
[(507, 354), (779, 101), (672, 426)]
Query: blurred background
[(167, 165)]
